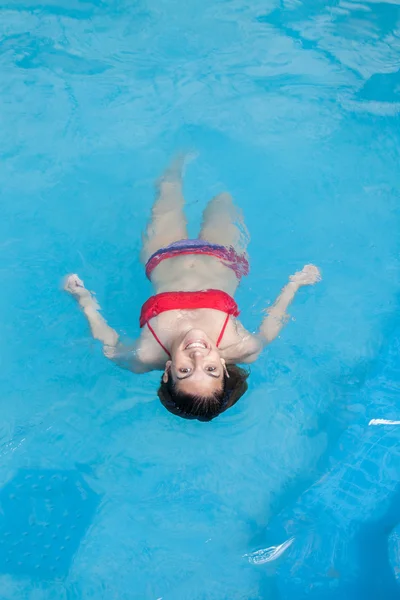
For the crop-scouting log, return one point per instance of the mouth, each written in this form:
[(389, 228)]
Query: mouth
[(197, 344)]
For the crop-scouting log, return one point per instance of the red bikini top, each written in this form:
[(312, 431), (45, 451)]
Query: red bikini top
[(215, 299)]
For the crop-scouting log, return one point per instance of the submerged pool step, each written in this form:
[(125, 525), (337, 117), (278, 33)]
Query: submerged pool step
[(346, 527), (44, 516)]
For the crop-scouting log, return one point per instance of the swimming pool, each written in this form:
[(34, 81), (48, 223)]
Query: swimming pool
[(293, 108)]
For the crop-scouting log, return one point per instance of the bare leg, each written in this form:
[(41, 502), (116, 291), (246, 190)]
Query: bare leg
[(167, 222), (223, 224)]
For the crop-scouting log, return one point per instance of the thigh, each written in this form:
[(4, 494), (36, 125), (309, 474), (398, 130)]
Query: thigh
[(162, 231), (223, 224), (167, 222)]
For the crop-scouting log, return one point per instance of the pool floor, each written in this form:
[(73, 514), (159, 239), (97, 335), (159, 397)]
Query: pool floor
[(293, 109)]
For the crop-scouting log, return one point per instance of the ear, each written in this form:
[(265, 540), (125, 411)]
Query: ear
[(167, 368), (223, 363)]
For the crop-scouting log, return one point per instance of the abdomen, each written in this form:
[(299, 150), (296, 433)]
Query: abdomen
[(192, 273)]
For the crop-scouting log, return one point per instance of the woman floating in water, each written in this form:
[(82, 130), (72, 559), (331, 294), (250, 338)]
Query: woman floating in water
[(190, 329)]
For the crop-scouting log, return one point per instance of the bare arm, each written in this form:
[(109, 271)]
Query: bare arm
[(124, 356), (248, 349), (277, 315)]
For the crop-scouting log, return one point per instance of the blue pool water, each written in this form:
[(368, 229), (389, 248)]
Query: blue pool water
[(294, 109)]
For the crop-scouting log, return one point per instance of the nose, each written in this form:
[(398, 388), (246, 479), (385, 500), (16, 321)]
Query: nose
[(196, 355)]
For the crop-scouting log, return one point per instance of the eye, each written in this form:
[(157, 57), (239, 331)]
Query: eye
[(184, 370), (210, 369)]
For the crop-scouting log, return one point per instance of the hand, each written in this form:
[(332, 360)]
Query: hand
[(73, 285), (307, 276)]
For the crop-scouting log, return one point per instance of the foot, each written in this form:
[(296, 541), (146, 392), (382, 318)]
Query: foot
[(307, 276)]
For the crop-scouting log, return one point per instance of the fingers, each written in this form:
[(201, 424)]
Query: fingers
[(309, 275), (312, 272), (73, 284)]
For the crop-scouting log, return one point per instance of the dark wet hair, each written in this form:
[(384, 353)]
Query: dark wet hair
[(204, 408)]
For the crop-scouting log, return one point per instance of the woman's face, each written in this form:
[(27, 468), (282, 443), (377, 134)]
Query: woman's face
[(196, 366)]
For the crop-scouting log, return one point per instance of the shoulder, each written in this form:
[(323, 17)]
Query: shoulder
[(142, 356), (148, 353), (245, 349)]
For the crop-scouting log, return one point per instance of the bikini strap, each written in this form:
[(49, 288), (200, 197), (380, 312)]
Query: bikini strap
[(221, 335), (158, 339)]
